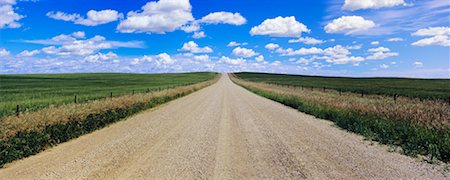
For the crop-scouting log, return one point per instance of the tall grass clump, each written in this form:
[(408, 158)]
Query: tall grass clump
[(34, 131), (419, 127)]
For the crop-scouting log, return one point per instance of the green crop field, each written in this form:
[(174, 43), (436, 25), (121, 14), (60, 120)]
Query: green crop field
[(37, 91), (408, 87)]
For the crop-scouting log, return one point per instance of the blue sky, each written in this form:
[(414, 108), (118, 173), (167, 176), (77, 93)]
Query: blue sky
[(395, 38)]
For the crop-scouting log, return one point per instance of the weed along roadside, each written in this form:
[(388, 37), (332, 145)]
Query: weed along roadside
[(419, 127), (32, 132)]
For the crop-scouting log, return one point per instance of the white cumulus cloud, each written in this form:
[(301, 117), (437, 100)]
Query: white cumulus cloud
[(157, 17), (77, 37), (381, 53), (27, 53), (9, 18), (234, 43), (204, 58), (193, 47), (164, 58), (280, 27), (244, 52), (354, 47), (79, 47), (259, 58), (307, 40), (349, 25), (101, 57), (371, 4), (192, 27), (72, 45), (272, 46), (231, 61), (435, 40), (340, 55), (160, 61), (440, 36), (299, 52), (433, 31), (223, 18), (93, 18), (79, 34), (4, 52), (199, 35)]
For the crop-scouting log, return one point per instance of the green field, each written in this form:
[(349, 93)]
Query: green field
[(416, 88), (36, 91)]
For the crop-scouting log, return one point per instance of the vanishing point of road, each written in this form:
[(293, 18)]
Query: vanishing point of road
[(220, 132)]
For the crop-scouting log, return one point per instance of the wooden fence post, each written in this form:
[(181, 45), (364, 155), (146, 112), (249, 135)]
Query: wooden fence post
[(75, 99), (17, 110), (362, 93), (110, 95), (395, 97), (339, 92)]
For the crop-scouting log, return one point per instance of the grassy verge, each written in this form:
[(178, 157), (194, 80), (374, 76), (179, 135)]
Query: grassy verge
[(33, 132), (372, 117)]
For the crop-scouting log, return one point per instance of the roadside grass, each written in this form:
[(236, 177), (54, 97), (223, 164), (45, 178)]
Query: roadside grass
[(34, 131), (407, 87), (418, 126), (36, 91)]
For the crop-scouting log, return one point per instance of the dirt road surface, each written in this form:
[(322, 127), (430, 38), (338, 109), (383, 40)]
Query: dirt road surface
[(220, 132)]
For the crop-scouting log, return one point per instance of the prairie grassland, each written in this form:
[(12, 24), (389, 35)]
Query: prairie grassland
[(37, 120), (36, 91), (407, 87), (418, 126)]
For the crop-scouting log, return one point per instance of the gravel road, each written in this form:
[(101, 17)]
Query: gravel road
[(221, 132)]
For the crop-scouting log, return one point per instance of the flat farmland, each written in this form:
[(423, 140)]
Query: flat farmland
[(37, 91), (222, 131), (408, 87)]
